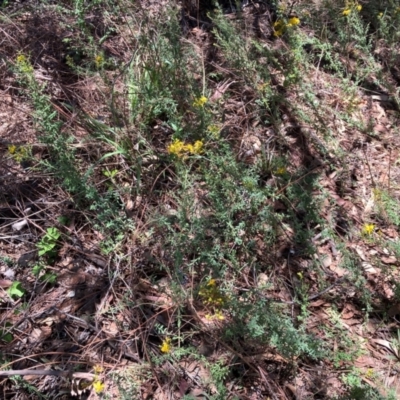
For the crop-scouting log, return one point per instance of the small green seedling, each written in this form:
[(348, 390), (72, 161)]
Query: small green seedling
[(46, 277), (5, 335), (63, 220), (48, 242), (16, 290), (49, 277), (37, 269), (110, 174)]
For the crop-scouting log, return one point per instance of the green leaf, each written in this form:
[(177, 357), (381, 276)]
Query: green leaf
[(110, 174), (49, 277), (48, 241), (37, 269), (16, 290), (6, 337), (63, 220), (53, 234)]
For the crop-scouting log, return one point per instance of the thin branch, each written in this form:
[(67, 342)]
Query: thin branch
[(52, 372)]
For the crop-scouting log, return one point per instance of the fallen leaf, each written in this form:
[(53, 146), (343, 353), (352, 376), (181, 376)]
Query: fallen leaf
[(200, 393), (369, 268), (220, 90), (348, 311), (110, 327), (317, 303), (339, 271), (387, 345), (391, 232), (360, 252), (389, 260), (365, 361), (5, 283), (326, 260)]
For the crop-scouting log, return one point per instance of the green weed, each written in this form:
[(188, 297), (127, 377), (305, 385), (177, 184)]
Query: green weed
[(48, 243)]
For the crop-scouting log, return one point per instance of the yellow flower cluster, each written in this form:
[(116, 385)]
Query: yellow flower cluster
[(98, 385), (12, 148), (213, 297), (23, 64), (180, 149), (166, 346), (99, 61), (368, 229), (280, 26), (200, 102), (214, 130), (21, 59), (294, 21), (217, 315), (281, 171), (18, 153), (351, 6)]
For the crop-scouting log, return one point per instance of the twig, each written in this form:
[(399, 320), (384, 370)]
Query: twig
[(314, 296), (390, 162), (369, 168), (52, 372)]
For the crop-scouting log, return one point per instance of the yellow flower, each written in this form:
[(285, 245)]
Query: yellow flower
[(24, 64), (280, 171), (21, 59), (189, 148), (369, 373), (98, 369), (368, 229), (346, 12), (18, 153), (98, 386), (262, 86), (166, 346), (200, 101), (380, 15), (358, 7), (177, 147), (279, 24), (279, 28), (300, 275), (293, 21), (211, 294), (99, 60), (218, 315), (377, 194), (214, 130), (197, 147)]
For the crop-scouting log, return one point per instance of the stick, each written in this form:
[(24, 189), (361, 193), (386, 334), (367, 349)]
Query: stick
[(40, 372)]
